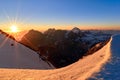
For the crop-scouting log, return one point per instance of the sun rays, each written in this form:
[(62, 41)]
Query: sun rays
[(14, 28)]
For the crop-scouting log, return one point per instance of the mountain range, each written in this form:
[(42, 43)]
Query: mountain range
[(64, 47)]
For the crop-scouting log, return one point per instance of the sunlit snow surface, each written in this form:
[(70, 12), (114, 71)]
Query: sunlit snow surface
[(80, 70), (15, 55), (111, 70)]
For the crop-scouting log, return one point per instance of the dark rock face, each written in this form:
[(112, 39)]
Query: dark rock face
[(7, 35), (62, 47), (33, 39)]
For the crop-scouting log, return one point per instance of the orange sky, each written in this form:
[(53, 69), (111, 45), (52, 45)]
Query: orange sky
[(22, 27)]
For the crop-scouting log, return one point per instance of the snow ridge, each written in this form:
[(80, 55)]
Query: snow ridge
[(80, 70), (15, 55)]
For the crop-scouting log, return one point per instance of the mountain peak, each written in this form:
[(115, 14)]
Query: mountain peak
[(76, 30)]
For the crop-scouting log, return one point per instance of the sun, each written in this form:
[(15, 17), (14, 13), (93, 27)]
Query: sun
[(14, 28)]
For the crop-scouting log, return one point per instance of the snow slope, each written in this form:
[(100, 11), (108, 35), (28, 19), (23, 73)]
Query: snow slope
[(79, 70), (111, 71), (15, 55)]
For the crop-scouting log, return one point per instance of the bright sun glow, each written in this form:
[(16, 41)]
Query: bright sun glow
[(14, 28)]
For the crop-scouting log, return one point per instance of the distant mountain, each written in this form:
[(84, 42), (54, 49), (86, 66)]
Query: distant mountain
[(62, 47), (76, 30), (33, 38)]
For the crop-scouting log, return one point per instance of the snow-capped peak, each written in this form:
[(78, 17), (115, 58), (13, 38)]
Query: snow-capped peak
[(76, 30)]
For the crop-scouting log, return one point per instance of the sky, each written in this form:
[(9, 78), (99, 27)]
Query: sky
[(64, 14)]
